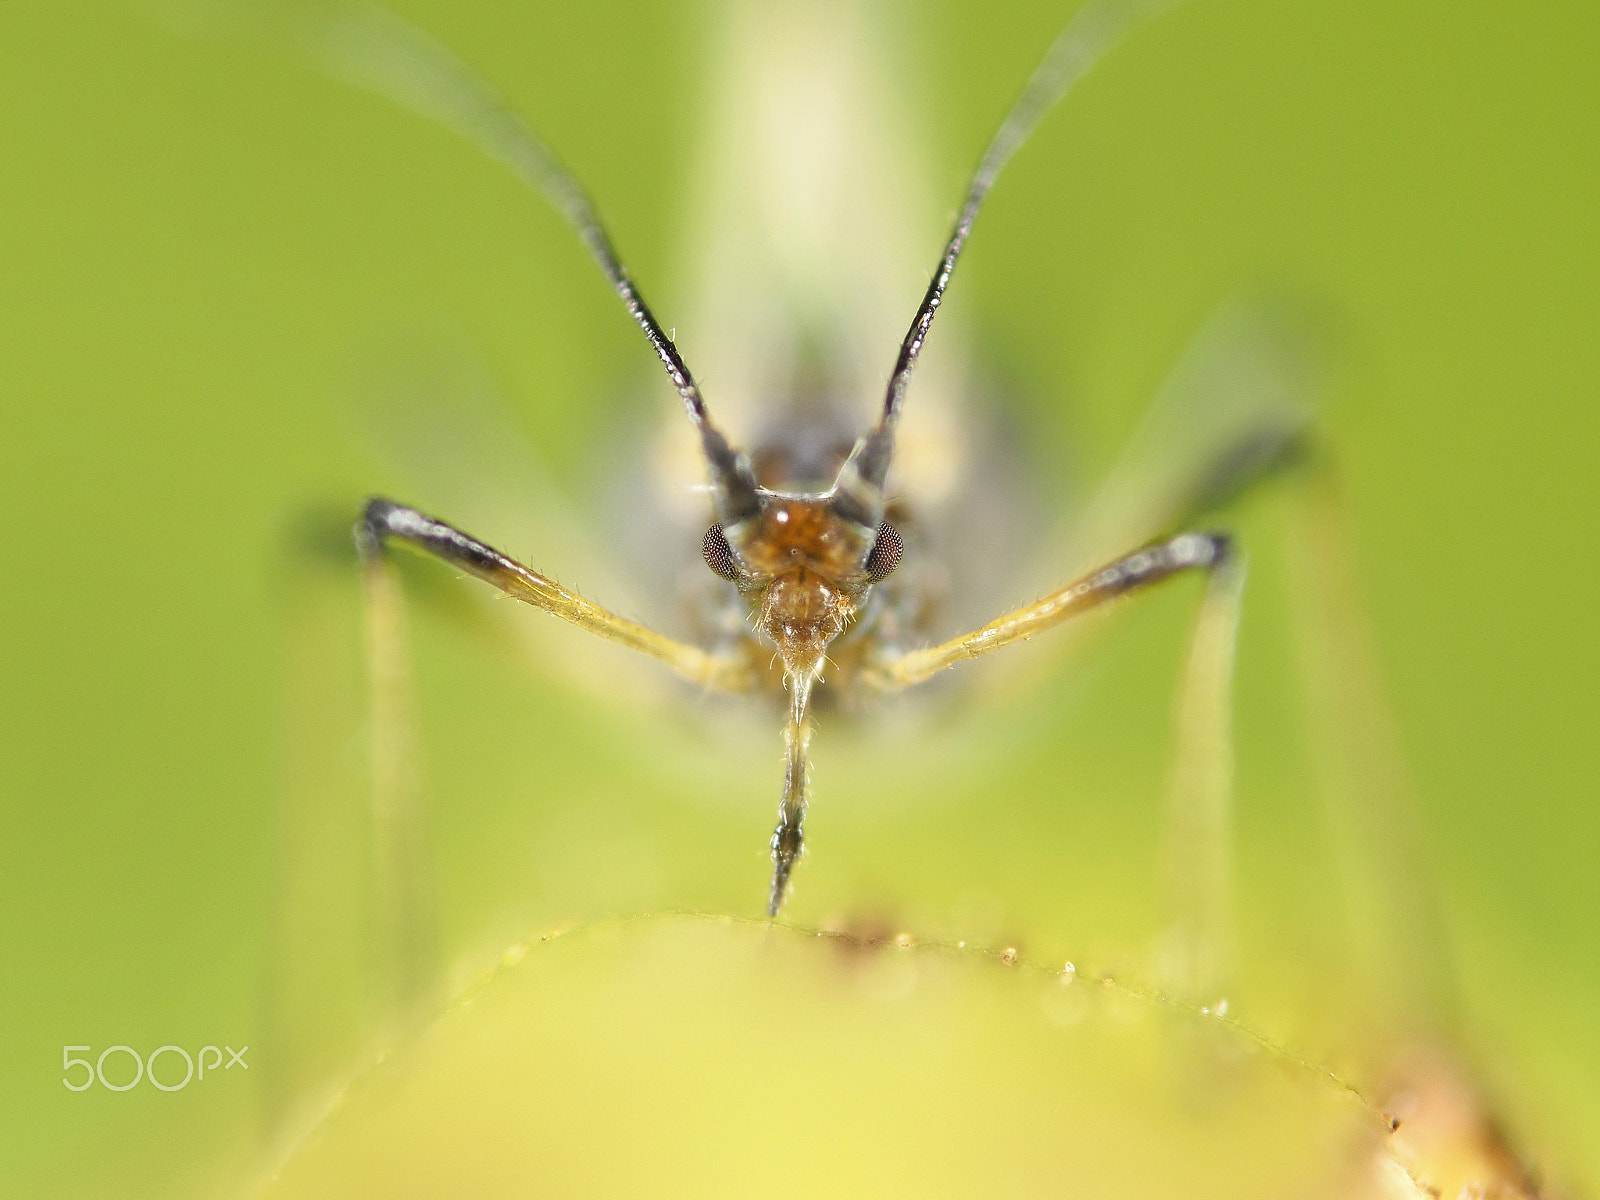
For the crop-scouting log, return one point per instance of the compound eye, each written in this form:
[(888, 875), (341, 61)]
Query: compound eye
[(719, 555), (886, 552)]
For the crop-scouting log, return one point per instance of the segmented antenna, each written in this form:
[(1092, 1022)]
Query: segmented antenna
[(1088, 38), (379, 51), (374, 49)]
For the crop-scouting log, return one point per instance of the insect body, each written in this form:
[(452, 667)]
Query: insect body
[(810, 551)]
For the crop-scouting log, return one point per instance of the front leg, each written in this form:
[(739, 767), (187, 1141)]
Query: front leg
[(1132, 572), (1192, 954), (384, 521)]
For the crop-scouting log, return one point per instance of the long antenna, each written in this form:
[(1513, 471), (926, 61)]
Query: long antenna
[(377, 50), (1088, 38)]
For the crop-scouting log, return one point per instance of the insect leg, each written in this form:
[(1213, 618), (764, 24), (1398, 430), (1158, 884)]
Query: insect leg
[(1192, 954), (1396, 934), (384, 521), (1235, 412), (402, 893), (1130, 573)]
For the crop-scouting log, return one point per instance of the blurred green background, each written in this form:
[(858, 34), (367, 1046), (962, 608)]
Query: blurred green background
[(206, 250)]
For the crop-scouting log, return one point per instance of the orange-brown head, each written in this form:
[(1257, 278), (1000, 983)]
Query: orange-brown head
[(806, 567)]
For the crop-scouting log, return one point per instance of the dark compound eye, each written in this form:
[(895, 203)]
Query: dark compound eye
[(886, 552), (719, 555)]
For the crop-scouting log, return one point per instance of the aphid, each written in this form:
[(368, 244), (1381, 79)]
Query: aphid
[(818, 553), (800, 533)]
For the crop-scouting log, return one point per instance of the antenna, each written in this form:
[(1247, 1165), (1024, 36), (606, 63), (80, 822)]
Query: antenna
[(376, 50), (1088, 37)]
